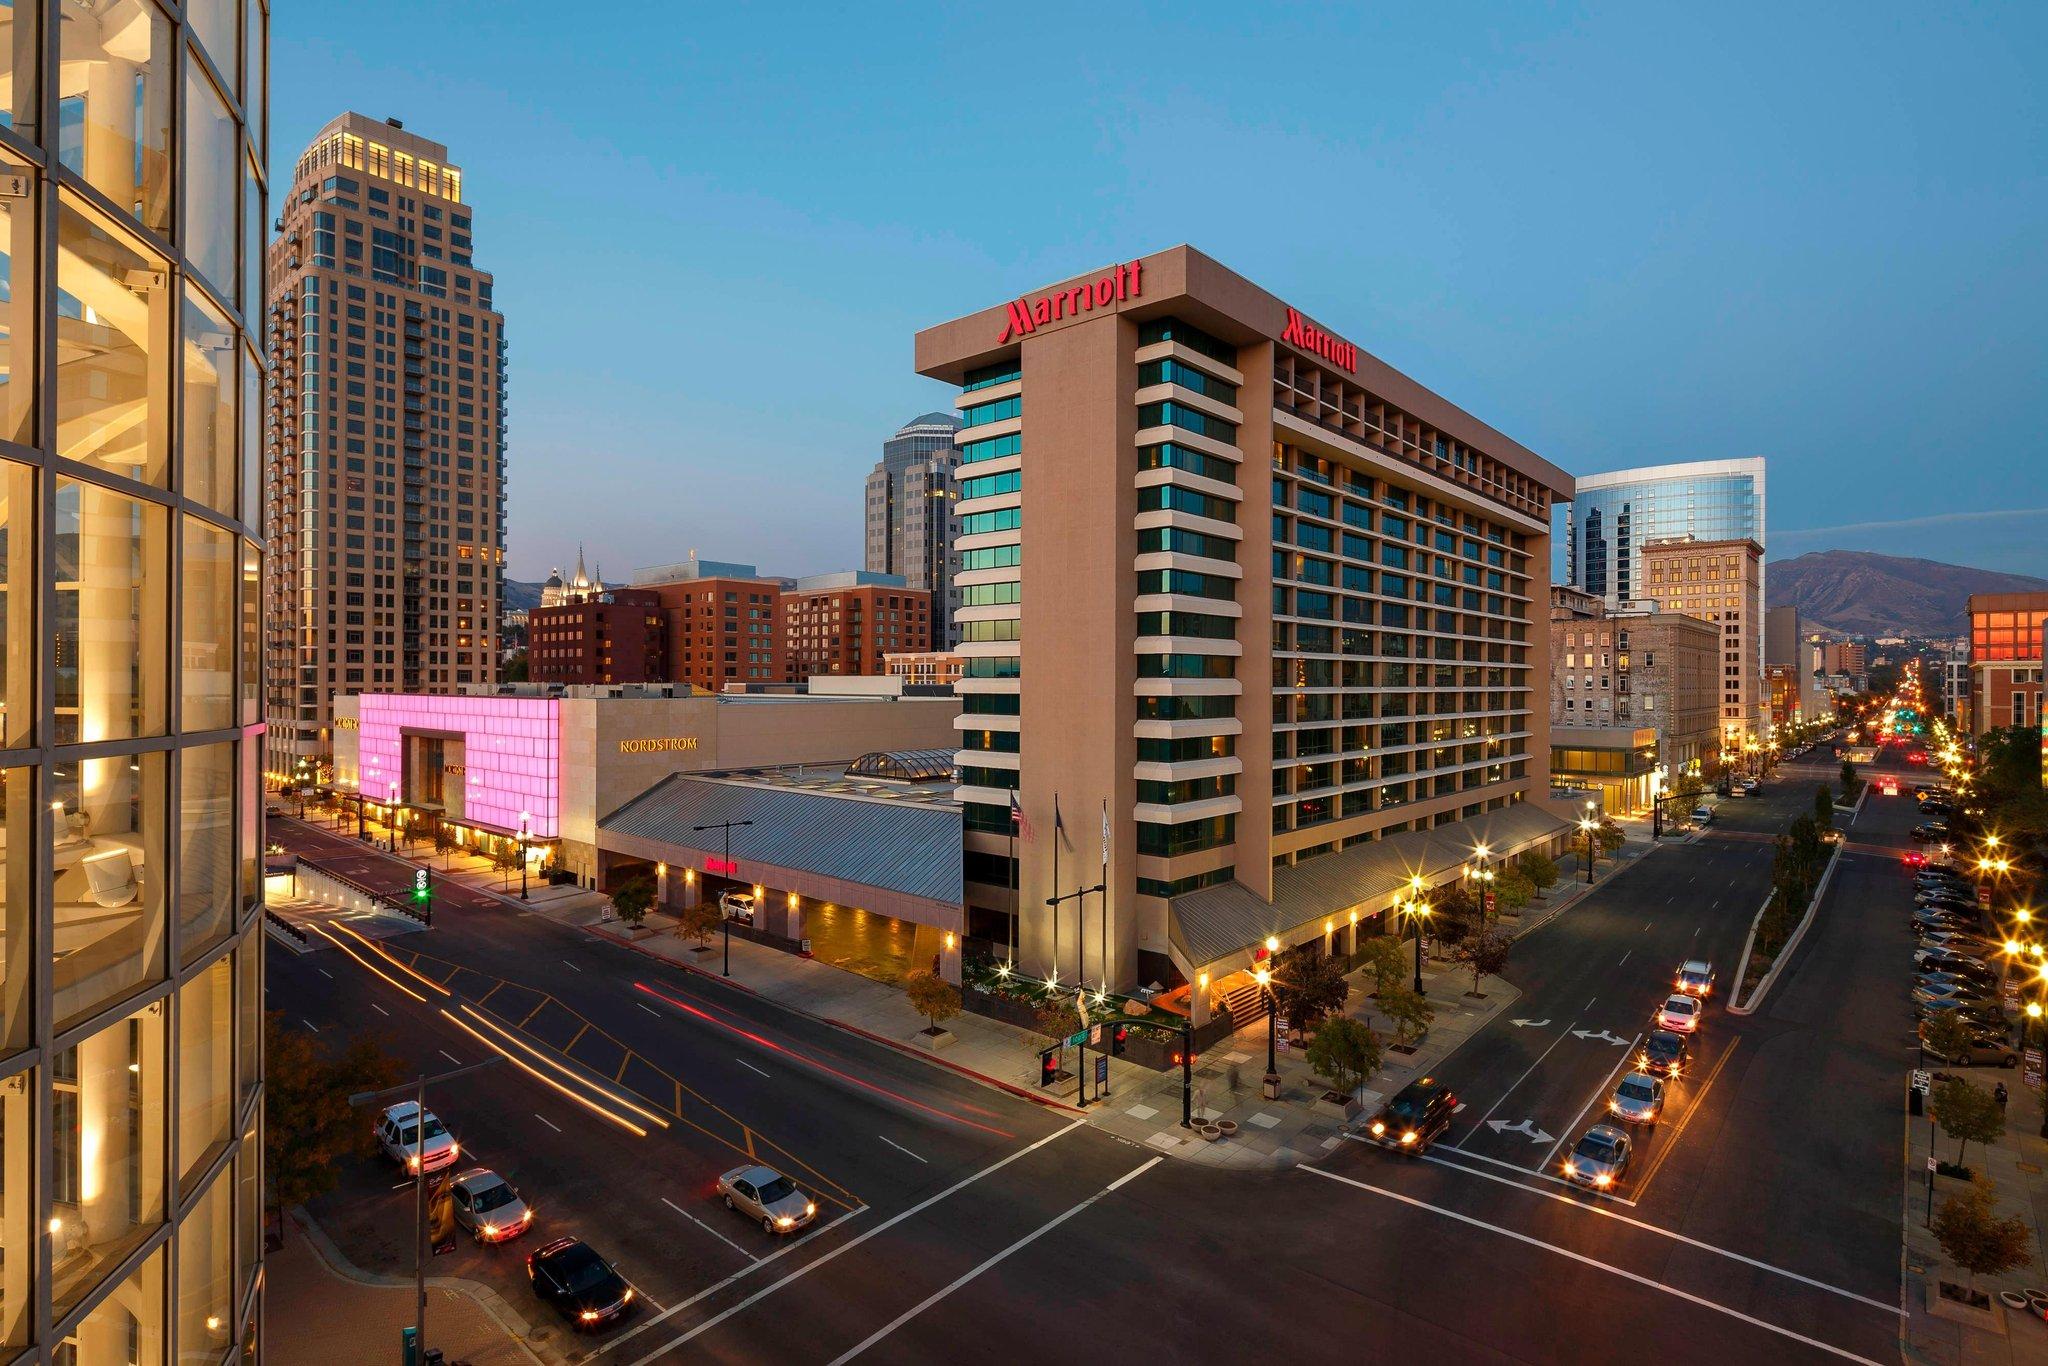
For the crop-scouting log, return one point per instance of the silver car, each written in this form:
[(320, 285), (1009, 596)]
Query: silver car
[(1599, 1159), (487, 1205), (766, 1195), (1638, 1100)]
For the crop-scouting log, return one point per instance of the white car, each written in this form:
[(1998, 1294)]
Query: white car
[(1703, 815), (1680, 1014), (487, 1205), (411, 1137), (737, 906)]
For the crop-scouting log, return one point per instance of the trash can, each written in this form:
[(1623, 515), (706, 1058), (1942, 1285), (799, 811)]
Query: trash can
[(1915, 1100)]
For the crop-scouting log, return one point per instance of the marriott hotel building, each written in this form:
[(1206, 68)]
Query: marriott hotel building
[(1255, 629)]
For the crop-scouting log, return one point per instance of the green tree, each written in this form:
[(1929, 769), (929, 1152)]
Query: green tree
[(1055, 1021), (1309, 986), (1512, 890), (1385, 960), (1487, 952), (309, 1126), (1966, 1111), (632, 899), (932, 996), (1346, 1051), (1687, 790), (1947, 1037), (1408, 1012), (1610, 836), (1849, 781), (1977, 1241), (1540, 869), (700, 922), (1824, 807), (444, 842), (507, 858), (515, 669)]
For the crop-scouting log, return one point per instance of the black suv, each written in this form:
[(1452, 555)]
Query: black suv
[(1418, 1115), (586, 1288)]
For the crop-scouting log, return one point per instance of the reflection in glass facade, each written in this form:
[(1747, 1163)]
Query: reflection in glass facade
[(1613, 514), (132, 202)]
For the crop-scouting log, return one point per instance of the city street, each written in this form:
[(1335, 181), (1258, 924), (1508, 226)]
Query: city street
[(1761, 1221)]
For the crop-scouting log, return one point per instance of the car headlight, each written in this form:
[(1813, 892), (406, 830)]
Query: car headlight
[(784, 1220), (412, 1163), (490, 1230), (1571, 1168), (810, 1209), (1408, 1137), (1378, 1129), (627, 1298), (1603, 1179), (588, 1316)]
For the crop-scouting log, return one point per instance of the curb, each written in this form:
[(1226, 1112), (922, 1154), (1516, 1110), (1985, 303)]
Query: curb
[(485, 1298), (905, 1049), (1791, 943)]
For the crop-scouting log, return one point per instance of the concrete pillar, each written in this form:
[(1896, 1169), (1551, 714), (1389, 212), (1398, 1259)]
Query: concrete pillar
[(795, 925), (661, 885), (693, 888), (949, 957), (1198, 1001), (1351, 937)]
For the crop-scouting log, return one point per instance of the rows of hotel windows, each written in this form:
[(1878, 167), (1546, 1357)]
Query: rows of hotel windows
[(2006, 635)]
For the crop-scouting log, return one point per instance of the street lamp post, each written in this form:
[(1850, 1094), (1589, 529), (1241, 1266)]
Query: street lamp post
[(525, 819), (1264, 977), (724, 917), (391, 821), (1417, 913), (1587, 826)]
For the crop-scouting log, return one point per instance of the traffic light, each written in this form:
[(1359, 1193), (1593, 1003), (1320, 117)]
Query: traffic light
[(1117, 1038), (1048, 1067)]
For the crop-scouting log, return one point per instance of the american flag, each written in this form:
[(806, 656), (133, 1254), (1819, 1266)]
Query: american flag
[(1018, 824)]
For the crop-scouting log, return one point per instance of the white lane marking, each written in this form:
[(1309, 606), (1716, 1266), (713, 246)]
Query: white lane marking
[(1605, 1082), (450, 1056), (749, 1066), (571, 966), (1624, 958), (899, 1147), (808, 1267), (964, 1277), (1669, 899), (325, 973), (708, 1229), (649, 1009), (1662, 1232), (545, 1120), (1584, 1260), (1563, 1034), (1647, 924), (379, 1009), (309, 1024)]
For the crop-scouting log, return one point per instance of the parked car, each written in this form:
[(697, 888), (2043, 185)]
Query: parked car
[(1418, 1115), (1599, 1159), (584, 1287), (1663, 1054), (487, 1205), (1956, 993), (1696, 977), (1975, 1012), (1929, 832), (1703, 815), (1680, 1014), (1639, 1099), (767, 1197), (1990, 1046), (411, 1137), (1935, 958), (737, 906)]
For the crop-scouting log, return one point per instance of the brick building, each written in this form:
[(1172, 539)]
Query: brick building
[(2006, 649), (616, 636), (847, 623), (1721, 582)]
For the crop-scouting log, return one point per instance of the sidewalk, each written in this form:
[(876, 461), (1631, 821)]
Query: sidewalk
[(460, 866), (2015, 1165), (317, 1315)]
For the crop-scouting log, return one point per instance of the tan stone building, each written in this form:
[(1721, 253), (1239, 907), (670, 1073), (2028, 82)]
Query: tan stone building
[(1252, 622), (1720, 582), (386, 459), (1616, 674)]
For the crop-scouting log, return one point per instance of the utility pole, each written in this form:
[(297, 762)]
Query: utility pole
[(724, 919)]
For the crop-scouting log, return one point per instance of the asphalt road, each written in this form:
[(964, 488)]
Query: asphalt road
[(960, 1219)]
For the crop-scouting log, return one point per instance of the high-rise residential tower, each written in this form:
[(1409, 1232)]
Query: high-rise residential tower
[(1613, 515), (132, 204), (387, 460), (910, 518), (1254, 626)]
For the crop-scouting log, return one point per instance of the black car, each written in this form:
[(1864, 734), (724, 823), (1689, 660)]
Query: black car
[(584, 1287), (1932, 830), (1418, 1115), (1664, 1053)]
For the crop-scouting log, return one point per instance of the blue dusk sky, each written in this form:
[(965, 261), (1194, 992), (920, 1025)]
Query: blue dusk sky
[(1623, 234)]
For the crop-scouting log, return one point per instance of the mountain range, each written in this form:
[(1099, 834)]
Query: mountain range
[(1856, 592)]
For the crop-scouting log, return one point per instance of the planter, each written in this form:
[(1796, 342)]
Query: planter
[(1336, 1105), (1960, 1304), (1210, 1132), (933, 1039), (1227, 1128), (1947, 1168)]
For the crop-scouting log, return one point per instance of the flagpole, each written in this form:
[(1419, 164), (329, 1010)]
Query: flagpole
[(1013, 888), (1055, 888), (1103, 895)]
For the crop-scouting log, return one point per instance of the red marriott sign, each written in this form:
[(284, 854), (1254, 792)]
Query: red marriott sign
[(1028, 315), (1306, 335)]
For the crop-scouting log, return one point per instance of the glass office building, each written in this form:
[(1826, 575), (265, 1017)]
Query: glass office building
[(1614, 514), (132, 205)]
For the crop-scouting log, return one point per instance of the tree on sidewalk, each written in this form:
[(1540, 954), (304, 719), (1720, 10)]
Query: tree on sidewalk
[(1409, 1013), (1383, 959), (1610, 836), (1540, 869), (1309, 986), (699, 922), (632, 899), (1346, 1051), (1824, 807), (1966, 1111), (933, 997), (1487, 952), (1849, 781), (1976, 1240), (444, 843), (1946, 1037), (1512, 890), (309, 1126)]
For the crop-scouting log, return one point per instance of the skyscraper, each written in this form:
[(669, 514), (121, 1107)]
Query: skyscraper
[(387, 462), (910, 517), (131, 945), (1613, 514)]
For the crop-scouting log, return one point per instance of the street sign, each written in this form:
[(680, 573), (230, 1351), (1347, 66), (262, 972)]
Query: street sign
[(1921, 1080), (1095, 1036), (1930, 1162), (1101, 1070), (1984, 895), (1489, 903), (2033, 1067), (1078, 1037)]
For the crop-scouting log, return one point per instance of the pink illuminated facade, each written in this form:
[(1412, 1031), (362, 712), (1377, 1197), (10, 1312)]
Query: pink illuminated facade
[(483, 762)]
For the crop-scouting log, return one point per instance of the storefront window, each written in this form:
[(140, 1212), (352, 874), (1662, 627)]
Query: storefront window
[(111, 615), (127, 1327), (206, 1082), (206, 1284), (106, 880), (114, 112), (213, 172), (210, 391), (207, 790), (211, 580), (17, 1201), (18, 579), (17, 306), (114, 306), (107, 1158)]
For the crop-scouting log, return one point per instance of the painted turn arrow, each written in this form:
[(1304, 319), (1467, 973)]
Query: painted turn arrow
[(1528, 1024), (1603, 1036), (1525, 1127)]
